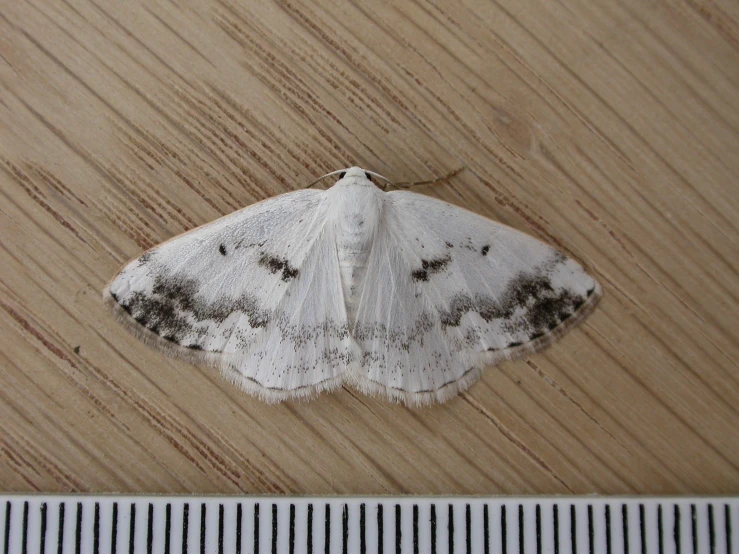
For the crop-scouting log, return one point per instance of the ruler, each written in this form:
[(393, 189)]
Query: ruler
[(385, 525)]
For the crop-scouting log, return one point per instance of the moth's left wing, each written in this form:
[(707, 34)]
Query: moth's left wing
[(256, 293), (447, 292)]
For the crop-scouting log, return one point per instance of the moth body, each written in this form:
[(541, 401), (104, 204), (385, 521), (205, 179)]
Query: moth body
[(356, 205)]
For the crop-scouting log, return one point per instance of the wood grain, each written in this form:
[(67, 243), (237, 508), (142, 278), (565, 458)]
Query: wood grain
[(609, 130)]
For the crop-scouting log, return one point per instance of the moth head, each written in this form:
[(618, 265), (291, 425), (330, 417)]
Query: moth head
[(356, 175), (361, 176)]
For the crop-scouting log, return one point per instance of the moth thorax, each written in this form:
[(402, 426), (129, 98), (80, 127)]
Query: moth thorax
[(357, 218)]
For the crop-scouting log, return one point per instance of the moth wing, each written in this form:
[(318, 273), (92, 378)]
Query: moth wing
[(447, 292), (256, 293)]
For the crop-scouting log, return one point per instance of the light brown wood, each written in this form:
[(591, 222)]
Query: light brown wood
[(609, 130)]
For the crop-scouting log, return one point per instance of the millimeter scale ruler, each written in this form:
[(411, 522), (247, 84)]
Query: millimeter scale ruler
[(83, 524)]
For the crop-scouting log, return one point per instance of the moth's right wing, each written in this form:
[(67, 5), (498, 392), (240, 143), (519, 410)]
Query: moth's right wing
[(256, 293), (447, 292)]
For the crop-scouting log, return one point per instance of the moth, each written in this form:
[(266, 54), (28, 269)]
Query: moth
[(394, 293)]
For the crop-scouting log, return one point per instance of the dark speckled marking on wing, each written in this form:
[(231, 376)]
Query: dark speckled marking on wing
[(165, 311), (429, 267), (544, 307), (276, 264), (144, 258)]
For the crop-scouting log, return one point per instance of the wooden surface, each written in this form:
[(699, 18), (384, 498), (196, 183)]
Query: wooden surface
[(609, 130)]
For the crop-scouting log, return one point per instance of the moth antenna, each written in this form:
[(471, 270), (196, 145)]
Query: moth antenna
[(446, 177), (327, 175), (387, 183)]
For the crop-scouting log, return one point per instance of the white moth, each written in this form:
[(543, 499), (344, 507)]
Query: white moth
[(393, 293)]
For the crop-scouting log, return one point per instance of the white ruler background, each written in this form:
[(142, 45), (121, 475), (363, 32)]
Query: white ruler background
[(383, 525)]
